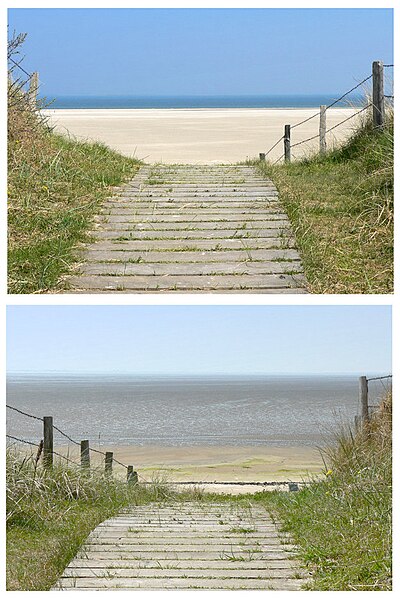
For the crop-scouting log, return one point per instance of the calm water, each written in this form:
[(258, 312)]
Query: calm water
[(184, 411), (287, 101)]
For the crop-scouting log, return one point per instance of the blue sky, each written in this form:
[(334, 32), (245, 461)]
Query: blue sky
[(202, 51), (199, 339)]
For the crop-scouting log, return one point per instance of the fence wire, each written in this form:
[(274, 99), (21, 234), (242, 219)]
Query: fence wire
[(59, 431), (326, 109)]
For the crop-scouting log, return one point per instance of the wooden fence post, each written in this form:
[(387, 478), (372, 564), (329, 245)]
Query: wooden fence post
[(322, 129), (109, 462), (33, 89), (48, 441), (132, 476), (364, 399), (378, 94), (262, 156), (85, 454), (286, 143)]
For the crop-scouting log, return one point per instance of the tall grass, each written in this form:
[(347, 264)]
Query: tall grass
[(341, 209), (55, 186), (50, 512), (342, 525)]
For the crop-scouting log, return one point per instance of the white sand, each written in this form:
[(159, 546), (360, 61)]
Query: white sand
[(198, 135)]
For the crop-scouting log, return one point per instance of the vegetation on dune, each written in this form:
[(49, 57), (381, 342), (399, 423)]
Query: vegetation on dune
[(342, 525), (50, 512), (55, 187), (341, 209)]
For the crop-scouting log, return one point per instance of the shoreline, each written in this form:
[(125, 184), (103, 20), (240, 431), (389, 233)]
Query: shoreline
[(211, 463)]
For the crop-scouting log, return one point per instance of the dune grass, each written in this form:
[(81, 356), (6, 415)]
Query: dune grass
[(51, 512), (342, 525), (55, 187), (341, 209)]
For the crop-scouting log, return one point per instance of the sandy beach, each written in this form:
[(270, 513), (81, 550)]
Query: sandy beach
[(218, 463), (202, 136)]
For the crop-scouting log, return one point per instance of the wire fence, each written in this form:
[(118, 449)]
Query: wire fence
[(376, 106), (65, 435)]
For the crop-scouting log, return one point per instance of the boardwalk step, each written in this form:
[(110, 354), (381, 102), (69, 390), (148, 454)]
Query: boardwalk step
[(191, 228), (162, 547)]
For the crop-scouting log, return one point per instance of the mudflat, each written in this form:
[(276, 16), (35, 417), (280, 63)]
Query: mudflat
[(200, 136), (213, 463)]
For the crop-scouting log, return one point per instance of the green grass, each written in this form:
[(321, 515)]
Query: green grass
[(50, 514), (341, 209), (342, 525), (55, 187)]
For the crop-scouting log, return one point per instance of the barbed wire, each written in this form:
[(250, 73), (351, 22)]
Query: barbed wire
[(65, 435), (274, 146), (388, 65), (350, 117), (379, 378), (17, 64), (304, 141), (62, 433), (24, 413), (22, 440)]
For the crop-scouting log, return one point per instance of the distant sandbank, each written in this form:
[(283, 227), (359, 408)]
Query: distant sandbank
[(204, 136)]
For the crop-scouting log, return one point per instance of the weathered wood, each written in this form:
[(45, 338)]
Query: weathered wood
[(230, 556), (190, 269), (85, 454), (322, 129), (162, 283), (363, 384), (132, 256), (198, 215), (108, 462), (132, 476), (48, 441), (286, 143), (33, 89), (378, 91)]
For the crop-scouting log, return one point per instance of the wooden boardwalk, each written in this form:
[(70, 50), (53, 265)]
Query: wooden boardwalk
[(185, 546), (190, 228)]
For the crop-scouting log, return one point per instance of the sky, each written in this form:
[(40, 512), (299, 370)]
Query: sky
[(202, 51), (199, 339)]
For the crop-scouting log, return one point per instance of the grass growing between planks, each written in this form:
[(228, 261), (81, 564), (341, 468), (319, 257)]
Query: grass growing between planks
[(55, 187), (341, 209), (342, 525), (50, 514)]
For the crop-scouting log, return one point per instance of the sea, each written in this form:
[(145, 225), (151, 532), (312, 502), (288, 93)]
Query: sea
[(199, 102), (184, 411)]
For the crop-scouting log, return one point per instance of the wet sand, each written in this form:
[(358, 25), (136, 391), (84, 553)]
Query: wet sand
[(203, 136), (223, 463)]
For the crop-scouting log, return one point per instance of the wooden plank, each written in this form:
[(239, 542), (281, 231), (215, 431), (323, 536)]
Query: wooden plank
[(178, 583), (218, 564), (235, 256), (154, 283), (183, 236), (190, 269), (261, 573), (126, 223), (182, 220), (185, 211)]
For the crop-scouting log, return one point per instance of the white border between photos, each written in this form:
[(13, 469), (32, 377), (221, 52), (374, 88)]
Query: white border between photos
[(198, 299)]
